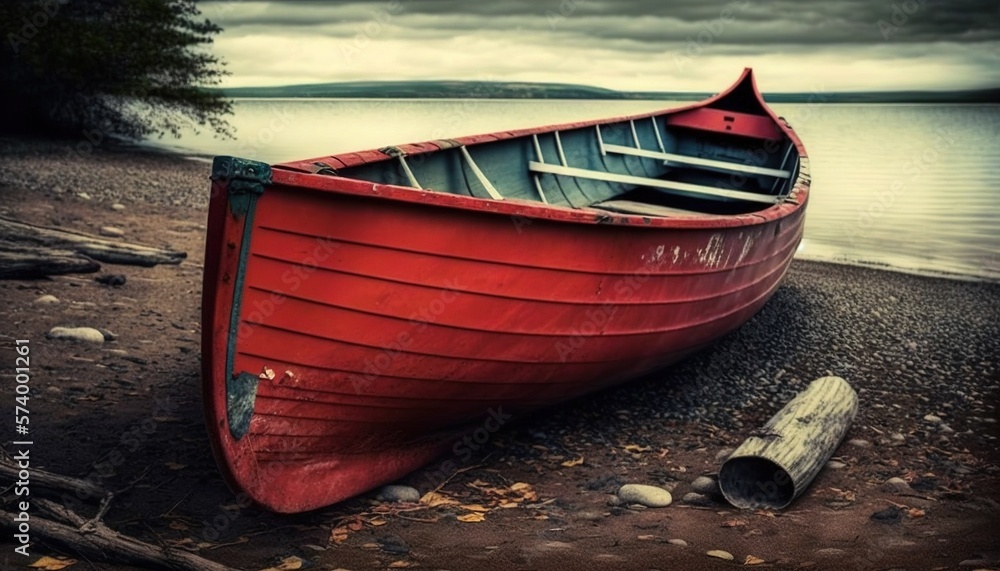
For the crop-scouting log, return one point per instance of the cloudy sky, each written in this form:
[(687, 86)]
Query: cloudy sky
[(679, 45)]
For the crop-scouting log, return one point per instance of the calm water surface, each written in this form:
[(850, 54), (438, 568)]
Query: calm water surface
[(910, 187)]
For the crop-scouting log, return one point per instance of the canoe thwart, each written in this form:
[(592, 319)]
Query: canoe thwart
[(644, 208), (638, 181), (697, 161), (777, 463)]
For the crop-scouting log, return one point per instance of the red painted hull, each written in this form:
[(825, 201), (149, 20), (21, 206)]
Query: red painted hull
[(394, 319)]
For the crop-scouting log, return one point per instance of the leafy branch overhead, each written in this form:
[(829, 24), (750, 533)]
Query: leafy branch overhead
[(96, 68)]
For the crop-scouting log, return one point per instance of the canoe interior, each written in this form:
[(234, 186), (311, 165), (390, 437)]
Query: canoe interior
[(726, 157)]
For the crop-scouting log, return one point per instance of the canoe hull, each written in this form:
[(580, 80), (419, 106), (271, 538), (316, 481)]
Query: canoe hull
[(365, 329)]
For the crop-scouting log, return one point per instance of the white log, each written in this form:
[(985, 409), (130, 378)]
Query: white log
[(777, 463)]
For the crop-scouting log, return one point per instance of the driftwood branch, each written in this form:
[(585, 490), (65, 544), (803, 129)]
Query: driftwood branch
[(29, 251), (54, 482), (102, 543)]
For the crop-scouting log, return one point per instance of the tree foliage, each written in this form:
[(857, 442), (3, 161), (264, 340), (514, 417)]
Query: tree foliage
[(129, 68)]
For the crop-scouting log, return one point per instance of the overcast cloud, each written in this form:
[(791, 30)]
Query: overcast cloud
[(697, 45)]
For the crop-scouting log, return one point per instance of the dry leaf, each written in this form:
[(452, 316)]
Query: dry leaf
[(178, 525), (399, 564), (735, 522), (571, 463), (338, 534), (287, 564), (751, 560), (764, 513), (47, 563), (377, 521), (646, 537), (267, 374), (916, 512), (637, 448), (520, 486), (175, 466), (510, 504), (474, 508), (356, 525), (471, 517), (434, 499), (541, 517)]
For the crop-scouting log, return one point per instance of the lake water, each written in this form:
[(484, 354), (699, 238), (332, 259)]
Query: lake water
[(909, 187)]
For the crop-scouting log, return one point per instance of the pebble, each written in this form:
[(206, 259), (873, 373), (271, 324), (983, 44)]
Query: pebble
[(649, 496), (724, 454), (86, 334), (679, 542), (118, 206), (83, 195), (897, 486), (47, 300), (395, 493), (932, 418), (859, 443), (696, 499), (720, 554), (898, 437), (835, 465), (705, 485), (830, 552), (111, 231)]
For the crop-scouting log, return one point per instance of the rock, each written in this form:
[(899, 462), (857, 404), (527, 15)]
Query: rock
[(891, 514), (945, 428), (47, 300), (696, 499), (108, 336), (395, 493), (679, 542), (118, 206), (614, 501), (932, 418), (724, 454), (859, 443), (114, 280), (897, 486), (649, 496), (705, 485), (83, 195), (720, 554), (898, 437), (85, 334), (111, 231), (835, 465)]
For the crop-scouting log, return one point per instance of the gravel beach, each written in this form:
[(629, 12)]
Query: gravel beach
[(923, 354)]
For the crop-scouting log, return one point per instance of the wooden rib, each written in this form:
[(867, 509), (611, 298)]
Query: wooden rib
[(479, 174)]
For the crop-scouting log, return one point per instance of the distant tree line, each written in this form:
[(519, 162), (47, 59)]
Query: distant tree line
[(107, 68)]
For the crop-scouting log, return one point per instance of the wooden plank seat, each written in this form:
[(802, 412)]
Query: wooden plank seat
[(696, 161), (641, 181), (644, 208)]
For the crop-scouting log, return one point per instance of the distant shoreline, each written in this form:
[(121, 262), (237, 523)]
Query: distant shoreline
[(511, 90)]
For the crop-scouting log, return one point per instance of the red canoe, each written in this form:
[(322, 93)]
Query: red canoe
[(365, 311)]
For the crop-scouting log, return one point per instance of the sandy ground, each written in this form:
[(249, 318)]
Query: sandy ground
[(127, 414)]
